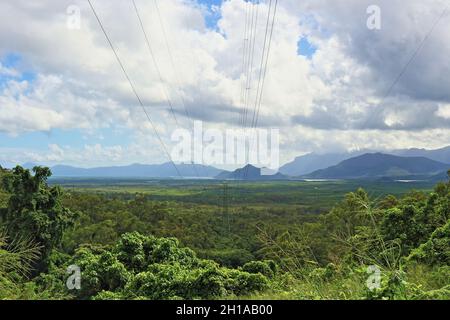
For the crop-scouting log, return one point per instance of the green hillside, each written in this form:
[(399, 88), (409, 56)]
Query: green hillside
[(136, 247), (376, 165)]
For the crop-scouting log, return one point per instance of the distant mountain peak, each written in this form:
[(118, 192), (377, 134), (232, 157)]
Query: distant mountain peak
[(250, 172), (378, 165), (311, 162)]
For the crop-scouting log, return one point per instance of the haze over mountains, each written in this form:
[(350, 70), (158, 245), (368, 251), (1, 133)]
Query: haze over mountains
[(441, 155), (312, 162), (309, 163), (165, 170), (378, 165), (417, 164)]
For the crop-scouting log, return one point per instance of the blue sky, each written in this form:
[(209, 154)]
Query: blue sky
[(212, 17), (306, 48), (14, 61)]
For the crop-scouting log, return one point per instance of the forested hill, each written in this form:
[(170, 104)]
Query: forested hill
[(311, 162), (377, 165), (135, 247)]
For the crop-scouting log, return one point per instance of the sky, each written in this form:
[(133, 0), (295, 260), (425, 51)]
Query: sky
[(332, 84)]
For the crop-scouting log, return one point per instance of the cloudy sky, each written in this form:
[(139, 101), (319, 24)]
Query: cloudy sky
[(332, 83)]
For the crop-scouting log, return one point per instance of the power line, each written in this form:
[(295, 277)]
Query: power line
[(172, 61), (175, 70), (266, 64), (150, 49), (262, 74), (133, 88), (253, 33), (249, 68), (406, 66), (249, 40), (225, 206), (248, 12), (244, 63), (251, 53), (263, 55), (155, 63)]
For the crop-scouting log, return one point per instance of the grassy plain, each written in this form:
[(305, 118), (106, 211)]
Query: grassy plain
[(314, 196)]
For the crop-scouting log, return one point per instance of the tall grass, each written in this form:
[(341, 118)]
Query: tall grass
[(17, 257)]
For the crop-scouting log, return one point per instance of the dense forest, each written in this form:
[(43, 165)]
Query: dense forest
[(136, 246)]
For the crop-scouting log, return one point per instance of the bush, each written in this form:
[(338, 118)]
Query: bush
[(162, 281), (228, 257), (436, 250), (439, 294), (324, 274), (267, 268), (145, 267)]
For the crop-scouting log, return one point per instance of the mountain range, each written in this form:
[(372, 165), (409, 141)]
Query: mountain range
[(378, 165), (407, 164), (165, 170), (311, 162)]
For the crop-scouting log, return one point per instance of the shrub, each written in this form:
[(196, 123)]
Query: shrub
[(436, 250), (145, 267), (324, 274), (266, 268)]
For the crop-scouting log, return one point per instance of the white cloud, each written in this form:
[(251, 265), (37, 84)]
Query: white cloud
[(443, 111), (9, 72), (322, 102), (50, 102)]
